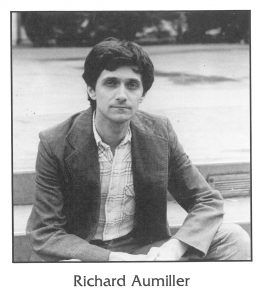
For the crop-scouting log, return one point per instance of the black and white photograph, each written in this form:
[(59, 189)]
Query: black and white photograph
[(131, 138)]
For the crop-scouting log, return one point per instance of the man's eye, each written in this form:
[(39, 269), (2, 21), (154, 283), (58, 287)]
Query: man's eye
[(133, 85), (111, 82)]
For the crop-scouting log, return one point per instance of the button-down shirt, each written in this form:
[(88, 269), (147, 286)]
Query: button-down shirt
[(117, 206)]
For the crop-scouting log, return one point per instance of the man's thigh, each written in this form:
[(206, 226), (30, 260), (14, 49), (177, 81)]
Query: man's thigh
[(230, 242), (145, 249)]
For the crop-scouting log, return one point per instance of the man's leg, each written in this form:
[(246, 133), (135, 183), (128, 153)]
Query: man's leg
[(231, 242), (145, 249)]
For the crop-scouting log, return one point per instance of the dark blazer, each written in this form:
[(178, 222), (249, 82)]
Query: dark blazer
[(66, 206)]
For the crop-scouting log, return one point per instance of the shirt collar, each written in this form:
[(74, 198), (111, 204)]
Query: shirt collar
[(99, 141)]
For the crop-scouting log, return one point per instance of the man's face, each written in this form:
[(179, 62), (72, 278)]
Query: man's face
[(117, 94)]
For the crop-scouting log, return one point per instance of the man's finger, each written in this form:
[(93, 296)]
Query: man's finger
[(153, 254), (138, 257), (70, 259)]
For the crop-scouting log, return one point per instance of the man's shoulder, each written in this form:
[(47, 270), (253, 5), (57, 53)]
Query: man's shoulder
[(148, 119), (151, 124), (60, 131)]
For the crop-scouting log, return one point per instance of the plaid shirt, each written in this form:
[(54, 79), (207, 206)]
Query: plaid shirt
[(117, 206)]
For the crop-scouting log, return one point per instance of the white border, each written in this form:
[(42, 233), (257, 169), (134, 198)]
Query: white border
[(208, 280)]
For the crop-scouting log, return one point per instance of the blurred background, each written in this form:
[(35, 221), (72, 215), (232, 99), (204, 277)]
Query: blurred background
[(146, 27), (202, 75)]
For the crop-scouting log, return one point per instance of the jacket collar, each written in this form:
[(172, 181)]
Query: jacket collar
[(80, 137)]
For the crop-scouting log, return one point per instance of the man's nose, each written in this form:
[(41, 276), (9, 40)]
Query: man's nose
[(121, 93)]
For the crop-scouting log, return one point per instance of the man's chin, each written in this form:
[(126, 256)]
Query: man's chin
[(121, 120), (121, 117)]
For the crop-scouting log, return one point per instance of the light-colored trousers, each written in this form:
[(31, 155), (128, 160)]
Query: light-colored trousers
[(231, 242)]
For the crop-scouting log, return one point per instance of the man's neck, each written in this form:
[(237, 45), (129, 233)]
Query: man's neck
[(111, 133)]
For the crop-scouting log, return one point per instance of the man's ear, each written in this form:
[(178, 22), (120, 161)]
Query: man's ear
[(91, 92), (141, 99)]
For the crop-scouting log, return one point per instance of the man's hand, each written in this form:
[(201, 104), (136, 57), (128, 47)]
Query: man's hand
[(171, 250), (122, 256), (73, 259)]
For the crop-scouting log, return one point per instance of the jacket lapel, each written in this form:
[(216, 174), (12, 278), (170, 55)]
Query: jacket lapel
[(150, 173), (82, 163), (149, 154)]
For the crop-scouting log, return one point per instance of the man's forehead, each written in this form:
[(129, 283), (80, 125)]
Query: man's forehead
[(126, 72)]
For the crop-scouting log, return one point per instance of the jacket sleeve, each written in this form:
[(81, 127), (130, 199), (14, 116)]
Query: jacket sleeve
[(46, 223), (193, 193)]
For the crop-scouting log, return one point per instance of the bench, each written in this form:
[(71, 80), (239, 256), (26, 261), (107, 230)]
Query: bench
[(231, 179)]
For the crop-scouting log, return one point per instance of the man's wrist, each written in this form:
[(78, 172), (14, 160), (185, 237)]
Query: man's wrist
[(123, 256), (115, 256), (181, 247), (119, 256)]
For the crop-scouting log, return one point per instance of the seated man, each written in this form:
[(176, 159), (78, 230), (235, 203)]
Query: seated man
[(102, 177)]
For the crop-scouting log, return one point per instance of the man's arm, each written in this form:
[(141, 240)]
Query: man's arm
[(47, 221), (193, 193), (172, 250)]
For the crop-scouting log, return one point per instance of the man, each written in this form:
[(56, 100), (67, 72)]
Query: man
[(102, 177)]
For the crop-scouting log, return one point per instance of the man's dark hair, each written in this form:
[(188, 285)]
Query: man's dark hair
[(111, 54)]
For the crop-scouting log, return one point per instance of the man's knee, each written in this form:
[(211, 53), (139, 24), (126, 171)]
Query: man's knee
[(238, 235), (235, 242)]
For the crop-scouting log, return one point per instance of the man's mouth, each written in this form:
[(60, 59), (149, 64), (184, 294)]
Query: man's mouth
[(120, 106)]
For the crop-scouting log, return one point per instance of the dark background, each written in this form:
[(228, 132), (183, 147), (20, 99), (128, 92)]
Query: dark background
[(145, 27)]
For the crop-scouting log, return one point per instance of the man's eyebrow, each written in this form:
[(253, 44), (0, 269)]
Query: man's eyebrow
[(110, 77), (117, 78), (133, 79)]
